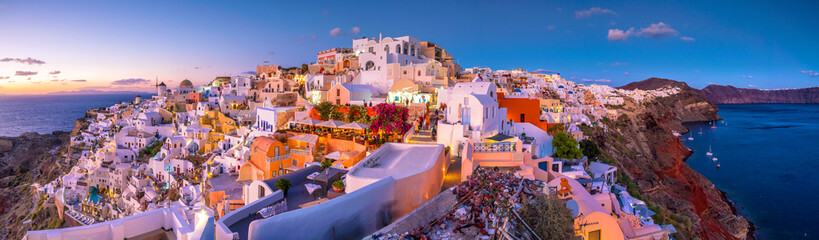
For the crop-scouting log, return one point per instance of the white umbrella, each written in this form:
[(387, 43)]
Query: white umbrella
[(308, 121), (333, 155), (355, 125), (331, 124)]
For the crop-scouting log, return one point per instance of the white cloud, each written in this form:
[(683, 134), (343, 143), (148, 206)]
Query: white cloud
[(335, 32), (54, 72), (25, 73), (593, 11), (748, 76), (596, 80), (753, 86), (620, 35), (625, 73), (658, 30), (655, 31), (619, 63), (550, 27), (810, 73), (29, 61)]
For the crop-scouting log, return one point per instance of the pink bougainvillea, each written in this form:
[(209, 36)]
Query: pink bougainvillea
[(391, 119)]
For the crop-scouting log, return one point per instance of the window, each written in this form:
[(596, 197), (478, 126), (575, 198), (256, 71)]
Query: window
[(295, 163), (261, 191), (387, 49), (412, 50), (338, 91), (594, 235), (369, 65), (419, 72), (522, 117), (398, 49), (371, 50)]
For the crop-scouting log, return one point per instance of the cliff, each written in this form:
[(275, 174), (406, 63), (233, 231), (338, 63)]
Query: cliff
[(731, 95), (25, 160), (652, 163)]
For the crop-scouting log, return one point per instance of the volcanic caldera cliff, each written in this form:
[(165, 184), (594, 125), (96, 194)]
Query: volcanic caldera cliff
[(651, 160), (731, 95)]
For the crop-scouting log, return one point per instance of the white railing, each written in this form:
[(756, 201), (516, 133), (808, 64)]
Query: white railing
[(300, 151), (278, 158), (495, 147)]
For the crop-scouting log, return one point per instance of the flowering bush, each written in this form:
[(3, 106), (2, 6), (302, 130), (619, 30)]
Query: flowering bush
[(391, 119)]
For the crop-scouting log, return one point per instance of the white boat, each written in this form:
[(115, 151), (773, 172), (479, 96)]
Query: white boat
[(709, 152), (714, 159), (700, 133), (690, 138)]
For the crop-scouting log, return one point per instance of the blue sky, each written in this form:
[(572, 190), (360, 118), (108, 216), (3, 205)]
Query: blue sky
[(95, 43)]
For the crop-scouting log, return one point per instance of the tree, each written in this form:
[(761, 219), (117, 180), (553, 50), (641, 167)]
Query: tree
[(565, 147), (556, 128), (325, 109), (390, 119), (356, 113), (548, 217), (326, 163), (589, 149), (337, 115), (283, 184), (304, 68)]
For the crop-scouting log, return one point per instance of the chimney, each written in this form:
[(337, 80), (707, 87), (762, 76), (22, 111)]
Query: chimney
[(379, 37)]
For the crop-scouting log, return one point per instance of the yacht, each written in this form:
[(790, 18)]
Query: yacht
[(709, 152)]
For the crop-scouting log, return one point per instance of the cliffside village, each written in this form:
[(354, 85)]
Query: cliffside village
[(376, 140)]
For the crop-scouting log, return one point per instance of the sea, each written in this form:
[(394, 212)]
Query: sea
[(768, 156), (47, 113)]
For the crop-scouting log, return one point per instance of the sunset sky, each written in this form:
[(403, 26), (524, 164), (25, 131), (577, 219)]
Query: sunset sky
[(51, 46)]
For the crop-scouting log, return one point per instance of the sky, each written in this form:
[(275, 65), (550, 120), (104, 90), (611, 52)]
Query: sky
[(53, 46)]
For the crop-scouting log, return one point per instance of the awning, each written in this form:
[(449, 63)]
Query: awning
[(333, 155), (307, 121), (500, 137), (331, 124), (355, 125)]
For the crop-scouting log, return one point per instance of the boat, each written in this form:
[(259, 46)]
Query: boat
[(717, 165), (700, 131), (714, 159), (690, 138), (714, 125), (709, 152)]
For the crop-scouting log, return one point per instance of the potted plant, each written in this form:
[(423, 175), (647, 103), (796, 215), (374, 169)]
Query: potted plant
[(338, 186)]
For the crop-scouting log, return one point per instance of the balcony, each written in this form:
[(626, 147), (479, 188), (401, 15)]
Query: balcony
[(278, 158), (495, 147), (300, 151)]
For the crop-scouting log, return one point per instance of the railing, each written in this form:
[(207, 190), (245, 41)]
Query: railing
[(278, 158), (495, 147), (300, 151)]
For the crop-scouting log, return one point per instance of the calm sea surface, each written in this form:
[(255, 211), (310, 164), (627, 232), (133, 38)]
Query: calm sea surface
[(768, 164), (45, 114)]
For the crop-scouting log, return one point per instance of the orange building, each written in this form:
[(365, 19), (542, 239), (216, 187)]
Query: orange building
[(522, 110), (268, 158)]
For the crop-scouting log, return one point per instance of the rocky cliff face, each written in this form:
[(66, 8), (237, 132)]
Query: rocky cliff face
[(644, 149), (25, 160), (731, 95)]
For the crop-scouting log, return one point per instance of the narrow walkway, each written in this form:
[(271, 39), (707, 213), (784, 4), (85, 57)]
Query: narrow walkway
[(453, 174)]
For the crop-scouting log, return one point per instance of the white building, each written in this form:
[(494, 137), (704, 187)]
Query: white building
[(374, 54)]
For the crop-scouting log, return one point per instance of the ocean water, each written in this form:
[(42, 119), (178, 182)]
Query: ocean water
[(768, 164), (48, 113)]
